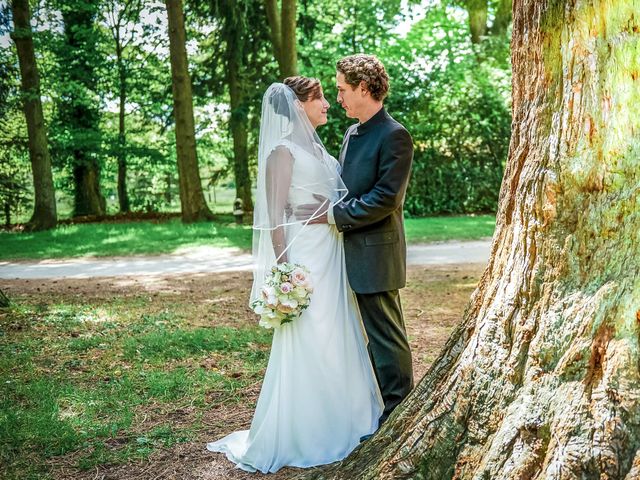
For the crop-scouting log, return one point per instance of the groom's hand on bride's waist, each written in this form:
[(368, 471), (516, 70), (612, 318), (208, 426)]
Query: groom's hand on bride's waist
[(313, 213)]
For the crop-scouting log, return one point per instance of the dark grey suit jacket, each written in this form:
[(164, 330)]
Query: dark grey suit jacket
[(376, 168)]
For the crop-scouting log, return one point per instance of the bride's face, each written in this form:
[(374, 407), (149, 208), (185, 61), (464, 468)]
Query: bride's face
[(316, 110)]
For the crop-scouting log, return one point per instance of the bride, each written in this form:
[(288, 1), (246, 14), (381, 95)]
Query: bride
[(319, 394)]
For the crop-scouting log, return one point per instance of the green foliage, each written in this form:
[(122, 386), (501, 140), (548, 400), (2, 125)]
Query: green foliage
[(15, 173), (453, 97), (76, 136)]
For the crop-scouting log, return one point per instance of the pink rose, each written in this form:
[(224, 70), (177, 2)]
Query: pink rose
[(286, 287), (298, 277)]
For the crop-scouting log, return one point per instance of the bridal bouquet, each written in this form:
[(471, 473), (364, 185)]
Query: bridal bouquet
[(285, 294)]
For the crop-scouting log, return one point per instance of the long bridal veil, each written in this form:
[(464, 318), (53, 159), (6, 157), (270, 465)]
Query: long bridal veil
[(285, 131)]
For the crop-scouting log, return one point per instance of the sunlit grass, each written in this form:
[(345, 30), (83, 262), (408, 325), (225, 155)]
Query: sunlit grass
[(148, 238), (75, 378), (115, 239), (439, 229)]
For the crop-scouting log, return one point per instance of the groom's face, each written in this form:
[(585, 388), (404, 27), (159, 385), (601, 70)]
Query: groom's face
[(349, 98)]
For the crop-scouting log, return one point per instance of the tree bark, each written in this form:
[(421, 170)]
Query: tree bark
[(44, 214), (289, 65), (87, 196), (478, 11), (194, 206), (282, 27), (541, 378), (275, 29)]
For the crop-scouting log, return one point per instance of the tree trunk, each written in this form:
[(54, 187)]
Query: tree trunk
[(44, 214), (194, 206), (289, 65), (541, 380), (478, 10), (282, 27), (86, 178), (503, 17), (7, 214), (239, 132), (275, 30), (123, 197)]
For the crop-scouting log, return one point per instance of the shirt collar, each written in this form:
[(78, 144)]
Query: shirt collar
[(363, 128)]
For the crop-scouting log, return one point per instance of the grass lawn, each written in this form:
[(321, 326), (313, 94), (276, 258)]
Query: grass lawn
[(145, 237), (130, 377), (441, 229)]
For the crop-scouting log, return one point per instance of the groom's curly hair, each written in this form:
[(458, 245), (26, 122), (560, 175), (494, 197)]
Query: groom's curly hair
[(368, 69)]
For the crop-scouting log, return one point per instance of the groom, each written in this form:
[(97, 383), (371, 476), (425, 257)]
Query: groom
[(376, 158)]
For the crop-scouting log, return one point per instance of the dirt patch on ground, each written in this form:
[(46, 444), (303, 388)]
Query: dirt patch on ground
[(433, 301)]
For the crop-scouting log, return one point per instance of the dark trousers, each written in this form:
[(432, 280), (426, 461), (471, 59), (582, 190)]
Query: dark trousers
[(388, 346)]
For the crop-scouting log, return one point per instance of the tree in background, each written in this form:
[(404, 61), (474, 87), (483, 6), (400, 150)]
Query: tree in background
[(44, 214), (479, 10), (77, 140), (452, 95), (330, 30), (456, 105), (282, 29), (502, 17), (194, 206), (236, 59), (541, 378), (15, 194), (121, 16), (148, 145)]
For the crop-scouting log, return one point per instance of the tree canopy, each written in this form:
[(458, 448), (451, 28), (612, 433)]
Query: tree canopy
[(106, 92)]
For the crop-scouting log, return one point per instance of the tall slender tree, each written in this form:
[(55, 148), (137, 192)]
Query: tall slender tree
[(194, 205), (239, 62), (235, 36), (282, 24), (44, 214), (541, 378), (120, 15)]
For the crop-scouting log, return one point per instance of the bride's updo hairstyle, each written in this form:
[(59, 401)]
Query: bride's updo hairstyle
[(368, 69), (305, 88)]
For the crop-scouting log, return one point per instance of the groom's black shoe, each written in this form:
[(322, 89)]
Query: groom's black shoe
[(366, 437)]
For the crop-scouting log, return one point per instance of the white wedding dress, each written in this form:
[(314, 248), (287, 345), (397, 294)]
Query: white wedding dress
[(319, 394)]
